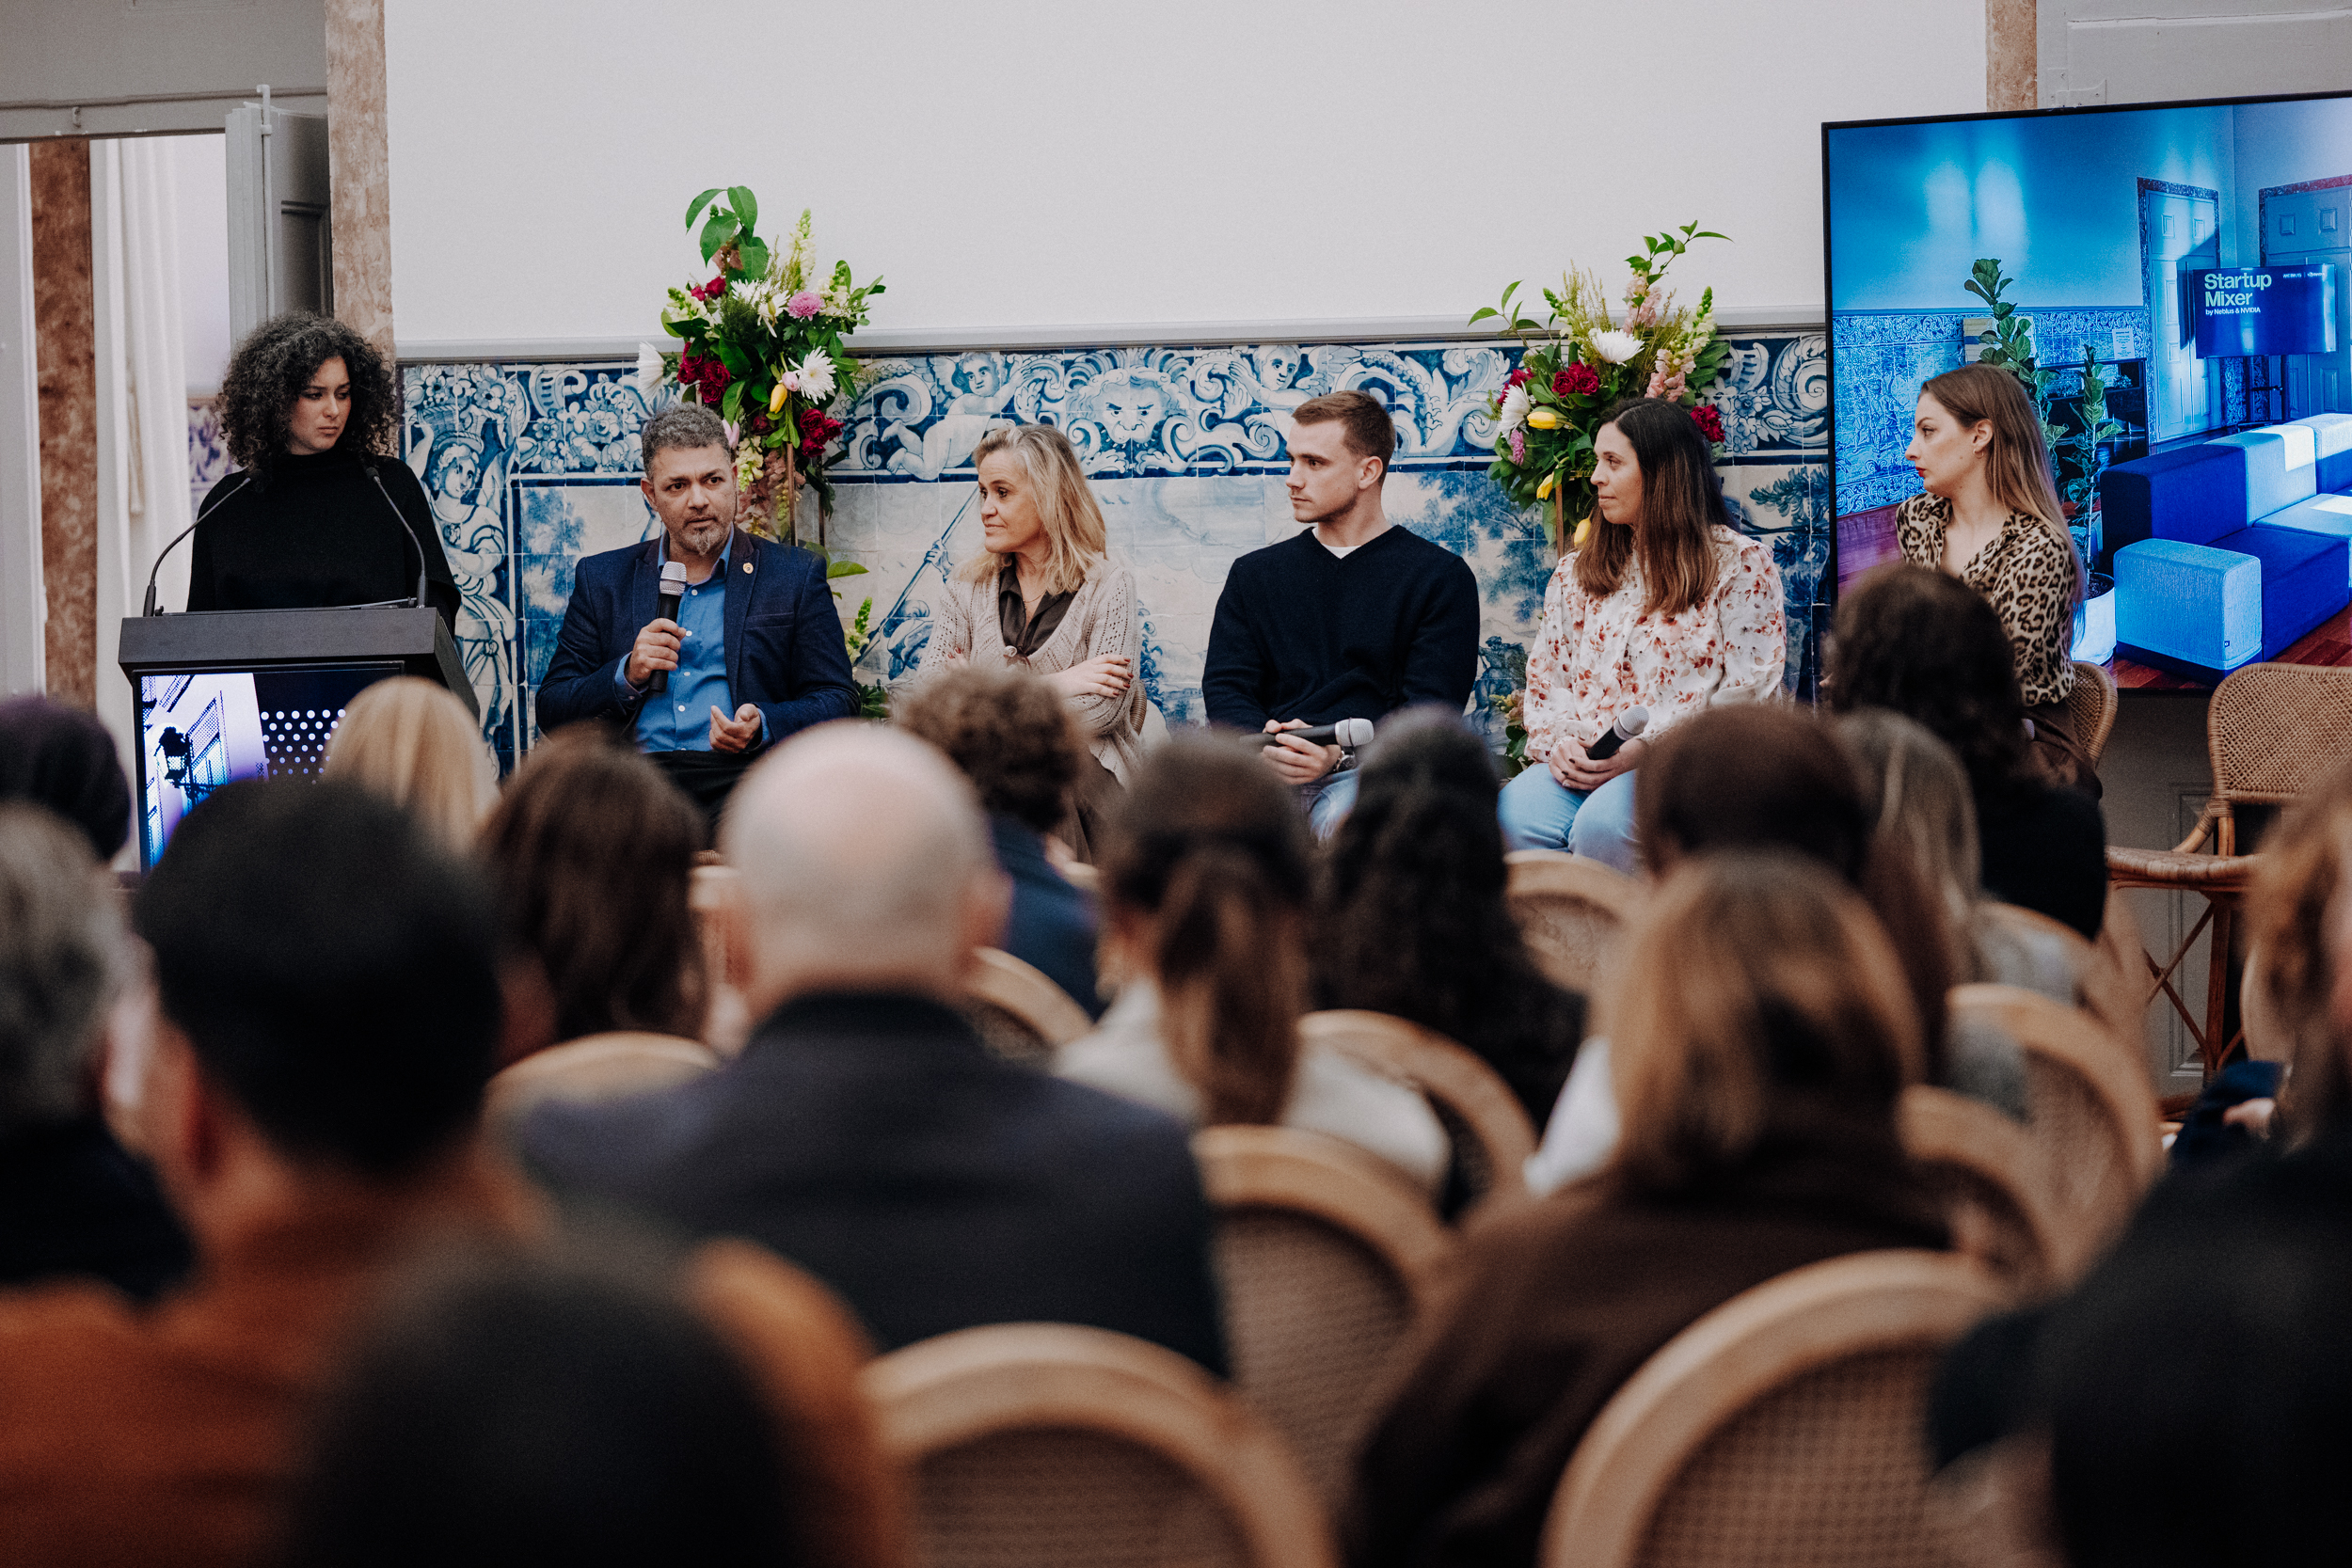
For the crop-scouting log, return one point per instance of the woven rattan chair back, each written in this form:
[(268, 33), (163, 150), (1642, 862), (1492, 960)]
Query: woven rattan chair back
[(1324, 1256), (1492, 1134), (2091, 1117), (598, 1068), (1048, 1446), (1019, 1013), (2273, 730), (1785, 1427), (1573, 911), (1982, 1165), (2090, 708)]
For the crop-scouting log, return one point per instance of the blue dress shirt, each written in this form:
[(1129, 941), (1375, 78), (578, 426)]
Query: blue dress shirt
[(680, 719)]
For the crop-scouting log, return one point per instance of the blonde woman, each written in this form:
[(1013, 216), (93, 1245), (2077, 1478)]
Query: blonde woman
[(413, 742), (1046, 596), (1990, 516)]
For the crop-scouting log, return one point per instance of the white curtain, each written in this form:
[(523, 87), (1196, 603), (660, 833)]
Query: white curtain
[(142, 401)]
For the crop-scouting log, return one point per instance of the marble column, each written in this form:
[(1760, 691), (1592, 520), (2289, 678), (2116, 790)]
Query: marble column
[(66, 362), (2012, 55), (358, 163)]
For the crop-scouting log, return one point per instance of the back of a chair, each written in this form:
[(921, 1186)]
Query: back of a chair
[(1325, 1257), (1021, 1013), (1048, 1446), (1573, 911), (2090, 707), (1492, 1136), (598, 1068), (2116, 989), (2274, 729), (2093, 1117), (1982, 1165), (1785, 1427)]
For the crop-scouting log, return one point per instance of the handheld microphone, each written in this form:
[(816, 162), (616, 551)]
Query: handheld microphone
[(673, 590), (406, 526), (1630, 726), (1349, 733), (148, 605)]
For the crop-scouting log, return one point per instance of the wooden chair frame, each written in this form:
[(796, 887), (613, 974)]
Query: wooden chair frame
[(1024, 990), (1538, 875), (2092, 707), (599, 1066), (1282, 1167), (1940, 1128), (1453, 1076), (2269, 731), (1759, 1341), (1009, 1377)]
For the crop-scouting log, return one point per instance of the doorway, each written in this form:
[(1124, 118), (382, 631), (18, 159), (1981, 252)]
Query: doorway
[(2313, 222), (2179, 229)]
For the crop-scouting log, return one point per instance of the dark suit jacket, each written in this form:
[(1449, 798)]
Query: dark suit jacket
[(782, 636), (1053, 924), (875, 1142)]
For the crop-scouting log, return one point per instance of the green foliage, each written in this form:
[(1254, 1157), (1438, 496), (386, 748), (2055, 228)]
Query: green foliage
[(2008, 345), (2081, 449), (1510, 704)]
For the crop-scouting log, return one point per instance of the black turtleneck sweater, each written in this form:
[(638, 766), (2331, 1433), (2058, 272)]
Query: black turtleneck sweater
[(315, 530)]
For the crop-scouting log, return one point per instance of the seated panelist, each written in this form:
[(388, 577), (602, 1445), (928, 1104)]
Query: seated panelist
[(319, 513), (754, 653)]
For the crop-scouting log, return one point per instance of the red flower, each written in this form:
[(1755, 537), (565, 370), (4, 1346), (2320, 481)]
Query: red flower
[(817, 428), (705, 377), (1518, 378), (712, 290), (1710, 422), (1577, 380)]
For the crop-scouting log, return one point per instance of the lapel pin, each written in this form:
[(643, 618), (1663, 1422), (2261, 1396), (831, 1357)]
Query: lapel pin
[(747, 568)]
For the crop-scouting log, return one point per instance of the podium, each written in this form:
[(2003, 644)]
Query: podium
[(255, 694)]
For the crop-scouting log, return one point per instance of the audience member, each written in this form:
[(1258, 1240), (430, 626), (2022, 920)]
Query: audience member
[(591, 853), (418, 746), (1933, 649), (1412, 919), (72, 1201), (1046, 595), (866, 1133), (1207, 876), (329, 1003), (2302, 921), (1658, 603), (1352, 618), (1764, 1033), (1015, 739), (62, 758), (513, 1411)]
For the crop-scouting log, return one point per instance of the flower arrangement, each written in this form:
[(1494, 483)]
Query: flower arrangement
[(1581, 358), (763, 346)]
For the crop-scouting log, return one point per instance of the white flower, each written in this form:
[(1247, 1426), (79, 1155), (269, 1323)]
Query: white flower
[(1617, 347), (1513, 412), (816, 377), (650, 373)]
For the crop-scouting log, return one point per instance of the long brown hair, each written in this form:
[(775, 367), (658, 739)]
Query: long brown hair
[(1756, 991), (1212, 851), (1682, 505), (2017, 460), (593, 854), (1065, 507)]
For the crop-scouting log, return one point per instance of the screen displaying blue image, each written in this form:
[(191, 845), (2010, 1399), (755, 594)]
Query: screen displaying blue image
[(2163, 278), (200, 730)]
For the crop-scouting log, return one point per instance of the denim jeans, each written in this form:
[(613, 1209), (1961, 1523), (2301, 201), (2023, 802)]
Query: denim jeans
[(1328, 800), (1541, 813)]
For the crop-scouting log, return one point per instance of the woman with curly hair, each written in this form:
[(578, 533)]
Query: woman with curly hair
[(1413, 920), (316, 515)]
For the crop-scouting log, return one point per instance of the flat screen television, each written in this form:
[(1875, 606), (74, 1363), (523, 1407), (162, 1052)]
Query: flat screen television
[(2170, 281)]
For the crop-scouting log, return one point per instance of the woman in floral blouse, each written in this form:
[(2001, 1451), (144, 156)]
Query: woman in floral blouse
[(1990, 516), (1665, 607)]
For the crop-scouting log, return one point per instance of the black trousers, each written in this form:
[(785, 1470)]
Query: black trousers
[(706, 777)]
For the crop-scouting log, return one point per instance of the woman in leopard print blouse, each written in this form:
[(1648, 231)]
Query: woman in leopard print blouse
[(1990, 517)]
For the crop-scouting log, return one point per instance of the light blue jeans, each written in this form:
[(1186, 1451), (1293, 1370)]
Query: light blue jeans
[(1541, 813), (1328, 800)]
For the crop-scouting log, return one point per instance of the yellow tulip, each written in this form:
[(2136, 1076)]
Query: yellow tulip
[(1544, 418), (775, 398), (1583, 530), (1551, 482)]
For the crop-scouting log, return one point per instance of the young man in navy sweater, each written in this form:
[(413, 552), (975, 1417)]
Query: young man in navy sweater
[(1354, 618)]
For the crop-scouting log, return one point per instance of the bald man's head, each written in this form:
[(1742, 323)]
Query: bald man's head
[(866, 866)]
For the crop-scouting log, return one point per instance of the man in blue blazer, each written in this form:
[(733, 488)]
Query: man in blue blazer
[(754, 653)]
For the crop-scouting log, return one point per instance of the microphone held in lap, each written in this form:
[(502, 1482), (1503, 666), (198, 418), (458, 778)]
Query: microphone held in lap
[(1630, 726), (673, 590), (1349, 733)]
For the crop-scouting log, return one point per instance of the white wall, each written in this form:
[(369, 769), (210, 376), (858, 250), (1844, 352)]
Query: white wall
[(1057, 163), (199, 178)]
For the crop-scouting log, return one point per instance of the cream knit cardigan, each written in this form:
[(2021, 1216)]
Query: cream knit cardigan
[(1102, 621)]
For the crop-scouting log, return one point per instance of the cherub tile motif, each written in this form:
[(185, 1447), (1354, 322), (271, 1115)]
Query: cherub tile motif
[(531, 466)]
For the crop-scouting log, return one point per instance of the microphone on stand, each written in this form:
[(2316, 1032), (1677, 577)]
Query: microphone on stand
[(673, 590), (1630, 726), (406, 526), (148, 605), (1348, 733)]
